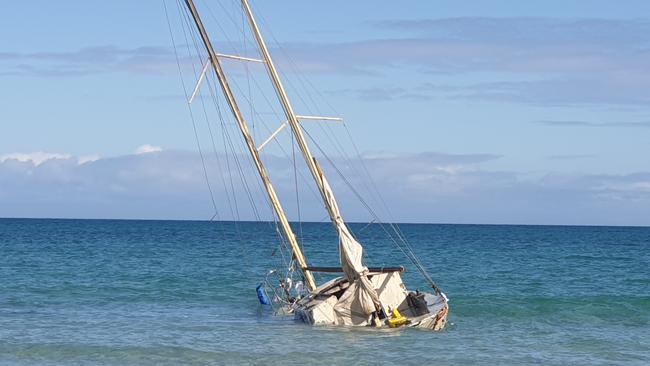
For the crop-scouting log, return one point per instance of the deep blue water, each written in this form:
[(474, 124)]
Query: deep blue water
[(178, 292)]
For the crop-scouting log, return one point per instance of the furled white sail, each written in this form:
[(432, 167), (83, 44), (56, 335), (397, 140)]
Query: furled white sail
[(360, 299)]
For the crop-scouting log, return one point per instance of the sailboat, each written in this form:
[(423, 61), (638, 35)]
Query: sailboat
[(361, 296)]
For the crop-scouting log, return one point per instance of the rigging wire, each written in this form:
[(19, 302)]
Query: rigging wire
[(239, 89), (404, 246), (213, 95), (237, 163), (295, 180), (326, 130), (396, 236), (399, 239), (196, 135), (240, 170), (233, 210)]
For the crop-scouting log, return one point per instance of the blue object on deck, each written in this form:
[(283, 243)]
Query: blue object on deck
[(262, 296)]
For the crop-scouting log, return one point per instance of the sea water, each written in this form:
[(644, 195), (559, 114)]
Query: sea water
[(180, 292)]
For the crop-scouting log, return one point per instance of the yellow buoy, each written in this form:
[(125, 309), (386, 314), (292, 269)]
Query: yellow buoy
[(397, 320)]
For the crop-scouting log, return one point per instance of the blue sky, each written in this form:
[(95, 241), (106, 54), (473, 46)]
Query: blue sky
[(482, 112)]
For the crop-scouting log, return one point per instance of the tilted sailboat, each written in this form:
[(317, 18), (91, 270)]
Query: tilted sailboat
[(362, 296)]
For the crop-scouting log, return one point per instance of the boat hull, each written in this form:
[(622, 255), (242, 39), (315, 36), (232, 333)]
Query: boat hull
[(420, 310)]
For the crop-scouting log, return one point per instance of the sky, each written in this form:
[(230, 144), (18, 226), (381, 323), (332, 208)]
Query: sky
[(462, 112)]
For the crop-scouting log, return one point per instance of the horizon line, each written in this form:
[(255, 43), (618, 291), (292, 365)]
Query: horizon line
[(326, 222)]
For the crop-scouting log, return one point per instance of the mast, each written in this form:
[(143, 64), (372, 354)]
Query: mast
[(232, 103), (292, 119), (350, 250)]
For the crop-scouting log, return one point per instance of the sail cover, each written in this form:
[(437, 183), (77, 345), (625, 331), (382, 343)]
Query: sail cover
[(360, 299)]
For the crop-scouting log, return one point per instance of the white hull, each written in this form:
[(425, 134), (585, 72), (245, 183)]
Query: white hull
[(322, 306)]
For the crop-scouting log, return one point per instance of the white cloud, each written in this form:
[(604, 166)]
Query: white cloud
[(426, 187), (36, 158), (39, 157), (146, 148)]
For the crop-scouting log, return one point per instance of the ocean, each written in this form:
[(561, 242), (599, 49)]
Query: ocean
[(113, 292)]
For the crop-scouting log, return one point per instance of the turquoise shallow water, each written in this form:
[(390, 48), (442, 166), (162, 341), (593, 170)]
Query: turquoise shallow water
[(174, 292)]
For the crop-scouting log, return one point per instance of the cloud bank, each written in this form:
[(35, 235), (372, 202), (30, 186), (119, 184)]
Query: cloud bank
[(426, 187), (546, 61)]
